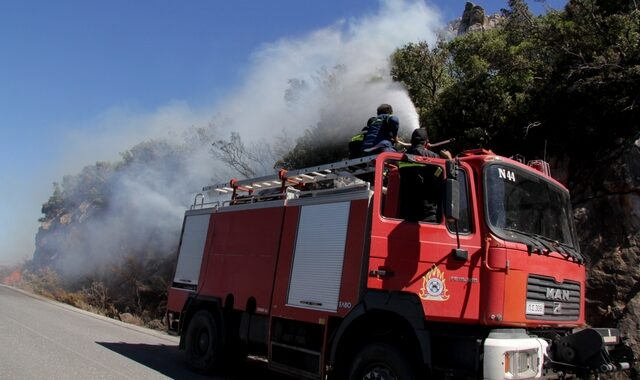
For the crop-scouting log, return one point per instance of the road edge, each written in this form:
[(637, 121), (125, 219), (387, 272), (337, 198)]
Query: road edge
[(140, 329)]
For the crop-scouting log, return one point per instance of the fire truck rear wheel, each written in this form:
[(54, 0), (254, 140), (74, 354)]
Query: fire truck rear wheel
[(381, 361), (204, 345)]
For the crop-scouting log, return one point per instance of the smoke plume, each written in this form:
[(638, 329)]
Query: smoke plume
[(333, 78), (336, 76)]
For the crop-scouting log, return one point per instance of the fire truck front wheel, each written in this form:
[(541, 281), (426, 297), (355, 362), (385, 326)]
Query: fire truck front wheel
[(203, 343), (381, 361)]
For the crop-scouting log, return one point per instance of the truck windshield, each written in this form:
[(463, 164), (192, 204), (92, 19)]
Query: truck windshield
[(526, 207)]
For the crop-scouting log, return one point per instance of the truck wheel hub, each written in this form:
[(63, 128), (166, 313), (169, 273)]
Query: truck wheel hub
[(203, 341), (379, 373)]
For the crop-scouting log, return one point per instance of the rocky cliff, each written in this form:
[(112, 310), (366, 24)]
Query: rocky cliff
[(473, 19), (606, 200)]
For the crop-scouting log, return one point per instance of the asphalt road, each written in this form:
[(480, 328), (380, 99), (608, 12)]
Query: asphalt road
[(42, 339)]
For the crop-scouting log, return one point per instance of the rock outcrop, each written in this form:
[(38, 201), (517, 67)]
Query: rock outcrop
[(473, 19), (607, 210)]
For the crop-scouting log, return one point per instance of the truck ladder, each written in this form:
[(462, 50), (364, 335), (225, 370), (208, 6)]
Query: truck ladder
[(299, 177)]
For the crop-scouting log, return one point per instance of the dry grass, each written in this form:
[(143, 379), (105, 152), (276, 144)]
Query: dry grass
[(95, 298)]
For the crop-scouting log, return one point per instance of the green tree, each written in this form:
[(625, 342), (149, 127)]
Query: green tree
[(424, 72), (594, 51), (317, 146), (54, 206), (488, 98), (533, 80)]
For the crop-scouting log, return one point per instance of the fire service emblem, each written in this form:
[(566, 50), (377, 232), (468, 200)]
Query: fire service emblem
[(433, 286)]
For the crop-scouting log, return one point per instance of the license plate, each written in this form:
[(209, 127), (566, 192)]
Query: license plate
[(535, 308)]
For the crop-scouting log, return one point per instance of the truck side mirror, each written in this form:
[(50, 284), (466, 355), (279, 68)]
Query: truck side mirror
[(452, 192), (452, 199), (452, 169), (452, 206)]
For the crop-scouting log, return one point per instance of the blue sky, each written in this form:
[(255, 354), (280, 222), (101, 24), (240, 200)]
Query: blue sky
[(71, 70)]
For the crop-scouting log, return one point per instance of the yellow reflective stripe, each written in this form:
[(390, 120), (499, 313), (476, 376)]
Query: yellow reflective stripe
[(403, 164), (358, 137)]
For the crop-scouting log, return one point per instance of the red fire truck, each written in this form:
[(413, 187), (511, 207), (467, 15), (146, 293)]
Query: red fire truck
[(390, 267)]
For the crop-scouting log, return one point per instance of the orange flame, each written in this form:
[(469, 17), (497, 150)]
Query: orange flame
[(14, 278)]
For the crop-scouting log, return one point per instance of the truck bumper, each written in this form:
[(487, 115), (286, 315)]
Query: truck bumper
[(514, 354)]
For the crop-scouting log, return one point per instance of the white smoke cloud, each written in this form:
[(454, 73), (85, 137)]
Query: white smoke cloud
[(344, 69), (121, 127), (360, 48)]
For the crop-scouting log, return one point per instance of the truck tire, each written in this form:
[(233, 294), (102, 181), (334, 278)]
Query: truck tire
[(204, 345), (381, 361)]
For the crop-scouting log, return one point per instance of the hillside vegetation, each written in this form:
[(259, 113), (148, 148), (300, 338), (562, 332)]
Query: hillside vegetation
[(564, 86)]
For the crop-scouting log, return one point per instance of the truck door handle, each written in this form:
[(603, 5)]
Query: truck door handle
[(381, 272)]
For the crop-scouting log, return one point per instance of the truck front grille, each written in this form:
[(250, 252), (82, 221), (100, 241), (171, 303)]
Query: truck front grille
[(561, 300)]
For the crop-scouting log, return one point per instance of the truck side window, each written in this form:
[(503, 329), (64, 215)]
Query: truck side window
[(421, 189), (464, 223), (415, 192)]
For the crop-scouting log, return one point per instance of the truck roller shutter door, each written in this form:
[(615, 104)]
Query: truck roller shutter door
[(318, 256)]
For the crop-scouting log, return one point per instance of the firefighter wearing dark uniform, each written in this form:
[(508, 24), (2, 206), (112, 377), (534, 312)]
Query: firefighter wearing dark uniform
[(421, 184), (382, 132)]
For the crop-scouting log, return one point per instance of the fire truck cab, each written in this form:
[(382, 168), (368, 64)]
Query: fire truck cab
[(390, 267)]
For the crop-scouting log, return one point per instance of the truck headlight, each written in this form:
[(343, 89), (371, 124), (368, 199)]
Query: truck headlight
[(513, 355), (521, 364)]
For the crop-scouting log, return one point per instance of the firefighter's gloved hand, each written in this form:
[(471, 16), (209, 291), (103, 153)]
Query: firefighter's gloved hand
[(445, 154)]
